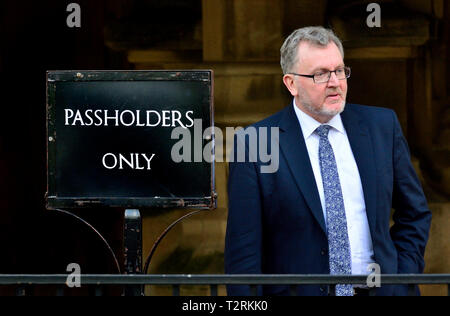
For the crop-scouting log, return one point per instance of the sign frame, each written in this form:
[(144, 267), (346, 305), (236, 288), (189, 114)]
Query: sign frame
[(53, 201)]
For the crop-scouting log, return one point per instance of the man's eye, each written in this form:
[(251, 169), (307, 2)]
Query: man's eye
[(319, 74), (340, 70)]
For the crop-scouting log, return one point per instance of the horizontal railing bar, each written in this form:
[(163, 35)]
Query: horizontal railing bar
[(224, 279)]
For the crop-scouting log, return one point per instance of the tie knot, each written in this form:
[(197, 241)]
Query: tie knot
[(323, 131)]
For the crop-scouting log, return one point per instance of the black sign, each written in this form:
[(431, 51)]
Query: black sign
[(130, 139)]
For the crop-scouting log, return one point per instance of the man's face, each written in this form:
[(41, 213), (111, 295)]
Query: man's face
[(322, 101)]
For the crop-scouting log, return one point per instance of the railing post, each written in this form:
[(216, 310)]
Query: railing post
[(99, 290), (60, 291), (411, 290), (293, 290), (21, 291), (175, 290), (214, 290), (254, 290), (133, 249), (332, 290)]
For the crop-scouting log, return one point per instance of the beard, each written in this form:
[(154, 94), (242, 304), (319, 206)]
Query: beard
[(320, 110)]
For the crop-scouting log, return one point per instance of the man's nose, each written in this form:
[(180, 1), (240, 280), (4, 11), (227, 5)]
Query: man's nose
[(333, 81)]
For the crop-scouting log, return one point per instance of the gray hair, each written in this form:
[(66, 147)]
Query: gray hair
[(316, 35)]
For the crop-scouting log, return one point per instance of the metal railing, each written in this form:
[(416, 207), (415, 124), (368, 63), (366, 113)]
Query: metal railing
[(22, 282)]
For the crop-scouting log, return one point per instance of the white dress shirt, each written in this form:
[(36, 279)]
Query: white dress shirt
[(355, 208)]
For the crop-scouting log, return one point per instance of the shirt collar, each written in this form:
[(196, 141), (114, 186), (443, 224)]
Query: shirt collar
[(309, 124)]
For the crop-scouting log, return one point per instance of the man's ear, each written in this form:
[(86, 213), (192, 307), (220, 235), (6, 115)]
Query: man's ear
[(288, 81)]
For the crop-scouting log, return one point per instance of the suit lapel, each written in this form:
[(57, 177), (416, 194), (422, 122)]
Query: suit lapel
[(361, 144), (293, 147)]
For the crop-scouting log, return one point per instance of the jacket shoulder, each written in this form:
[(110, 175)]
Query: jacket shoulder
[(369, 110), (379, 116)]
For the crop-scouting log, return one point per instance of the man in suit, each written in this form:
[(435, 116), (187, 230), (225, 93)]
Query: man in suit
[(342, 168)]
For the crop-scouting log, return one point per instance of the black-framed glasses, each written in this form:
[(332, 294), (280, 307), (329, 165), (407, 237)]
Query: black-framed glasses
[(324, 76)]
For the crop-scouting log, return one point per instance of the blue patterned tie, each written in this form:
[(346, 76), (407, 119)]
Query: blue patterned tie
[(338, 242)]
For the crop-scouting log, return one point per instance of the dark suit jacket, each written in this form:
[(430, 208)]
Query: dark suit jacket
[(276, 223)]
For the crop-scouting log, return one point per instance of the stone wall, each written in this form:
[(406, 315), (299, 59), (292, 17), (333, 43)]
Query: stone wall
[(392, 67)]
